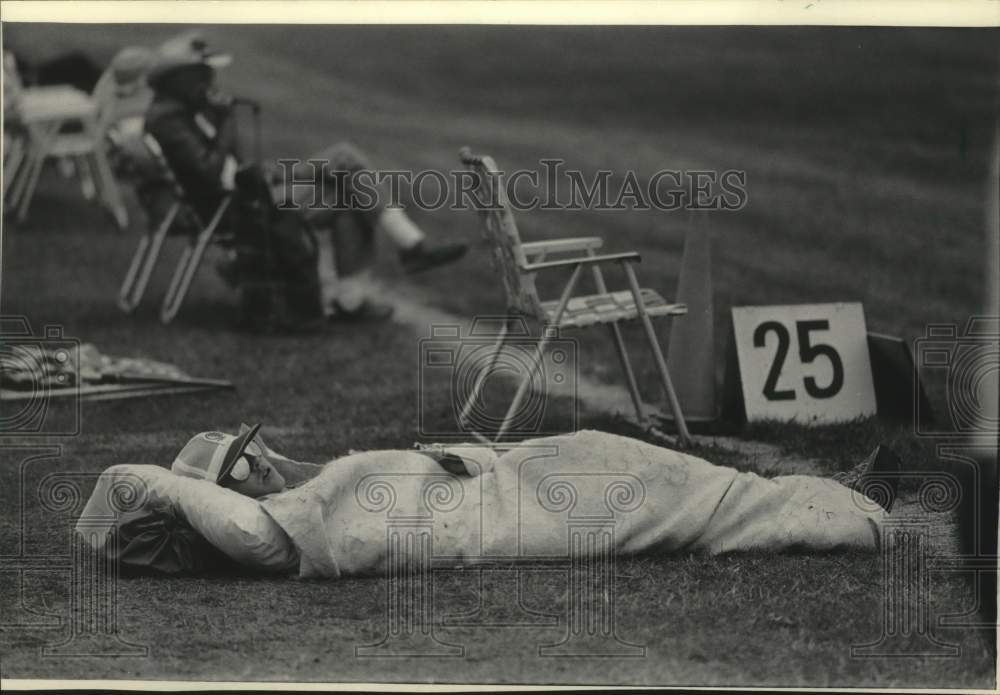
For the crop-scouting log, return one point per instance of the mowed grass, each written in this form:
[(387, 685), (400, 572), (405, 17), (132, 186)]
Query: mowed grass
[(865, 152)]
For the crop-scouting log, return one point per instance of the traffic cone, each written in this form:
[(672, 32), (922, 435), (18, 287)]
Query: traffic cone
[(691, 352)]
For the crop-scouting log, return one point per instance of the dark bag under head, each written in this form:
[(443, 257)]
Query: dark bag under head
[(157, 541)]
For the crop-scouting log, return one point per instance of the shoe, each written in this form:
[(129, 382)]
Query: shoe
[(369, 311), (877, 477), (420, 258)]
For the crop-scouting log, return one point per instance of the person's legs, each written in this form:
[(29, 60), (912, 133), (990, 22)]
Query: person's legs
[(344, 164), (683, 503), (807, 512), (794, 512), (276, 269), (276, 274), (353, 250), (295, 256)]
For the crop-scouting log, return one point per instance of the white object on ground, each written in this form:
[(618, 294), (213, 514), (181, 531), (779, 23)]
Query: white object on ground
[(236, 525), (526, 501), (352, 290)]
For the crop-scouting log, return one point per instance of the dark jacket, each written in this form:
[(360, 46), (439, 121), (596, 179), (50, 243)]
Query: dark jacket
[(273, 249), (195, 145)]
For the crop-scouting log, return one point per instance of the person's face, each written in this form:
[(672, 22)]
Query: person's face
[(263, 478), (190, 84)]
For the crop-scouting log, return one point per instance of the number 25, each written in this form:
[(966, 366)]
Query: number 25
[(807, 353)]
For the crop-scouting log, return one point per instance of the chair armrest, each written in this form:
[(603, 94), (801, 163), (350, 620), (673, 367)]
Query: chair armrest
[(562, 245), (585, 260)]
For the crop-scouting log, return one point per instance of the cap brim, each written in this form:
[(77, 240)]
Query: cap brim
[(165, 65), (218, 60), (236, 450)]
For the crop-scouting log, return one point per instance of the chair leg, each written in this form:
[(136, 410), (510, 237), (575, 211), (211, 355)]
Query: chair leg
[(633, 387), (180, 283), (556, 317), (108, 188), (15, 157), (16, 186), (127, 302), (181, 278), (522, 388), (668, 386), (616, 334), (88, 186), (27, 189), (481, 377), (684, 436), (143, 261), (41, 144)]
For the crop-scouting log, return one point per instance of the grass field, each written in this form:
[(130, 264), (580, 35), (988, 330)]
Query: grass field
[(866, 153)]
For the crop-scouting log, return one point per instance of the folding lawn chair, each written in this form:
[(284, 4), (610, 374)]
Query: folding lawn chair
[(15, 150), (154, 181), (37, 125), (518, 263), (254, 193)]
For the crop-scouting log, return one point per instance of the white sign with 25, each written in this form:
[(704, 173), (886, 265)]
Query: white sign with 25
[(804, 362)]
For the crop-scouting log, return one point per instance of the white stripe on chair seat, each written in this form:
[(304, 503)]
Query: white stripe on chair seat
[(591, 309)]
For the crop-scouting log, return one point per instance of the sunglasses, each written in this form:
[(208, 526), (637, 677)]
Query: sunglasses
[(246, 463)]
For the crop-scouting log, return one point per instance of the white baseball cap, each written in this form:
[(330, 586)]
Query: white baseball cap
[(213, 455)]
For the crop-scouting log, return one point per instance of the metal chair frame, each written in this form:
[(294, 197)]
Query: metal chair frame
[(147, 253), (518, 264)]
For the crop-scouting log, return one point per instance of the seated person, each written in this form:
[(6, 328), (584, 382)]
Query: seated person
[(195, 126), (329, 520)]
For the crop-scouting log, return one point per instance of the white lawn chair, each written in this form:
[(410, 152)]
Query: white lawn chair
[(38, 119), (518, 263)]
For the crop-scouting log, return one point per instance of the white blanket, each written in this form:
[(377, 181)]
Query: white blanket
[(546, 497)]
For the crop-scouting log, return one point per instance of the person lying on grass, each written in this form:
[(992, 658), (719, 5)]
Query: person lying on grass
[(331, 520)]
